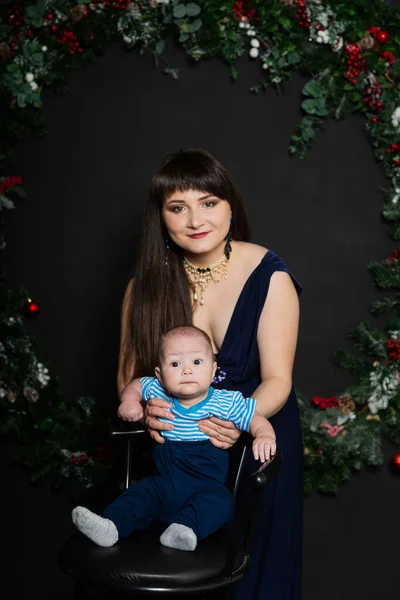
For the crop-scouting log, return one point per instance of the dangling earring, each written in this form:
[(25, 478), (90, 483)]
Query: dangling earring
[(228, 247), (167, 250)]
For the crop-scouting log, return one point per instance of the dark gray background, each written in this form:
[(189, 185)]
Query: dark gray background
[(73, 242)]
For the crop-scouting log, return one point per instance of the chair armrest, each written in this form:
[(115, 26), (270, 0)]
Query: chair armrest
[(268, 469), (127, 430)]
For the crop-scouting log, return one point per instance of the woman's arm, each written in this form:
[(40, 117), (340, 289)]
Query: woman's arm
[(277, 340), (125, 371)]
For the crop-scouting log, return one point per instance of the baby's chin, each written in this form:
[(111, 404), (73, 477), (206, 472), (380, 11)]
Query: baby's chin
[(188, 391)]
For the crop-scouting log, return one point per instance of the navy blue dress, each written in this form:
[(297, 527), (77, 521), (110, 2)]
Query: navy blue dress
[(277, 545)]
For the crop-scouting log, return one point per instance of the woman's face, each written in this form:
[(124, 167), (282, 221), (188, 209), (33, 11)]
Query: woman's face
[(196, 221)]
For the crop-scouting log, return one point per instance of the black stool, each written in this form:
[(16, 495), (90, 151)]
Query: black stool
[(141, 565)]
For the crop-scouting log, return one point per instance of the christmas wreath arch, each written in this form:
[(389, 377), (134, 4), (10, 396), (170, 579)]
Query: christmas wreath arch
[(348, 50)]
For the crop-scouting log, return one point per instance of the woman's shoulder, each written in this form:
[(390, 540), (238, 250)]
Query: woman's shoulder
[(252, 253), (254, 256)]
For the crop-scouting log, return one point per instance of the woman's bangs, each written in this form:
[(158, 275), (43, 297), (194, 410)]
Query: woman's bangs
[(186, 177)]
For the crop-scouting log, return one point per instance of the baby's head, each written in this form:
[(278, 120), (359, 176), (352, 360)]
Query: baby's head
[(186, 362)]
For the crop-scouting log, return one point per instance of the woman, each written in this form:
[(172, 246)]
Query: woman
[(196, 265)]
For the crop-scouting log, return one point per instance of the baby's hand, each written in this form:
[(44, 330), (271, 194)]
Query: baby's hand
[(264, 447), (130, 410)]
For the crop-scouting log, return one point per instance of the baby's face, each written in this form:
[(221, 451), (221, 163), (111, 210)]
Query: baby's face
[(187, 367)]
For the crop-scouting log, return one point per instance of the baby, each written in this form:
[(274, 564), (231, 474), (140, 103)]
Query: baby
[(188, 494)]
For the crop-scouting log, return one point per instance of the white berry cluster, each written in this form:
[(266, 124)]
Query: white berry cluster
[(30, 78), (42, 374), (396, 193), (395, 118), (254, 43), (384, 387), (324, 27)]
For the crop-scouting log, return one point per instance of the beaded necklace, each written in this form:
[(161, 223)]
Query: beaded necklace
[(200, 278)]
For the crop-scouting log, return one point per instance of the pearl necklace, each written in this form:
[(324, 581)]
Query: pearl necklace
[(202, 277)]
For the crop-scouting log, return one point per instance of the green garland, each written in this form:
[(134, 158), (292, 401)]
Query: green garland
[(348, 52)]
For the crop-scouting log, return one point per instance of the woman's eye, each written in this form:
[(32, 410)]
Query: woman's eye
[(177, 209), (197, 361), (209, 203)]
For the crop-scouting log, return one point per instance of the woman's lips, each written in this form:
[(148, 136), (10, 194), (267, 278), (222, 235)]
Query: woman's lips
[(198, 236)]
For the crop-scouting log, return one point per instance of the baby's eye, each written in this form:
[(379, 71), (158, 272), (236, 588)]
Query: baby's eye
[(197, 361), (175, 363)]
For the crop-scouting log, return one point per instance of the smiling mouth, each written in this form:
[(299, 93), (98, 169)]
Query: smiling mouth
[(197, 236)]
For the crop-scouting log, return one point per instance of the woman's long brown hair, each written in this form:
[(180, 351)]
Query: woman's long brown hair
[(160, 296)]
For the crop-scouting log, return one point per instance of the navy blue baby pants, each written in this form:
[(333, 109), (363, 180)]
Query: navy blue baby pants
[(189, 489)]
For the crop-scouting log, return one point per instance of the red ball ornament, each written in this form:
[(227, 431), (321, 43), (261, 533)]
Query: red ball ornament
[(32, 309), (395, 463), (382, 36)]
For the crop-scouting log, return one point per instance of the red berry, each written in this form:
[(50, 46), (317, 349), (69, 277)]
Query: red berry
[(382, 36)]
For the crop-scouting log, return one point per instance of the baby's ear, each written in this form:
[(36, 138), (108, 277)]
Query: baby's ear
[(158, 375)]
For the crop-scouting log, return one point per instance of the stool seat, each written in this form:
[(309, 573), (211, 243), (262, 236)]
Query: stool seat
[(141, 563)]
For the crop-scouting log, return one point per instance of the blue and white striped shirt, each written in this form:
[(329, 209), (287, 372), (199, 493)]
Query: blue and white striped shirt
[(224, 404)]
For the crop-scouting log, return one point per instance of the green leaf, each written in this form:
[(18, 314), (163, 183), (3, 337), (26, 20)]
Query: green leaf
[(34, 12), (309, 106), (195, 25), (173, 72), (293, 58), (46, 424), (160, 46), (285, 22), (308, 134), (179, 11), (313, 88), (21, 100), (37, 58), (192, 9)]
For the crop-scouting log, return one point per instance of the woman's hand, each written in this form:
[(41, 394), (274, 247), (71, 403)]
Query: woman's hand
[(156, 407), (223, 434)]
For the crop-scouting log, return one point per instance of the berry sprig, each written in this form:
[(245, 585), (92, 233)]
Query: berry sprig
[(394, 148), (355, 62), (9, 183), (301, 15), (243, 11), (393, 347), (324, 403), (372, 99), (380, 35)]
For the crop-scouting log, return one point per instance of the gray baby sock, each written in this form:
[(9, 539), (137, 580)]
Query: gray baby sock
[(101, 531), (180, 537)]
